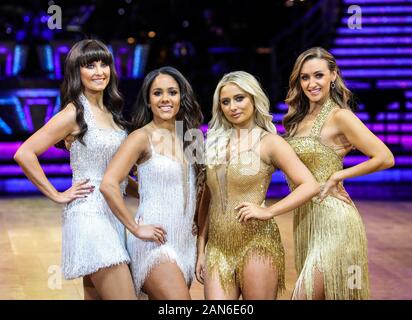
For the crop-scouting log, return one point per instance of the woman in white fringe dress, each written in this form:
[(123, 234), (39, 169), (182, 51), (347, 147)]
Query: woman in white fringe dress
[(167, 186)]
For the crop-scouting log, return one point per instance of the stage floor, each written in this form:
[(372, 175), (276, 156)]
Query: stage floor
[(30, 246)]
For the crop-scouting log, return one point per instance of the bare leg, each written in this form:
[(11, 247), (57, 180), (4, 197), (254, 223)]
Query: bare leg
[(114, 283), (166, 282), (214, 291), (318, 287), (260, 280), (90, 292)]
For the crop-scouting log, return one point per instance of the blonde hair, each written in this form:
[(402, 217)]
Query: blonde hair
[(297, 100), (220, 128)]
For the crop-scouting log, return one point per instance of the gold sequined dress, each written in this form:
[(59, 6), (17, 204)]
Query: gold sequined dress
[(329, 236), (230, 243)]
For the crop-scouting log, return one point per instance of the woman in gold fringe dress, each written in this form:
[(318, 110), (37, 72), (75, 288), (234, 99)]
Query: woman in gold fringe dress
[(244, 255), (330, 241)]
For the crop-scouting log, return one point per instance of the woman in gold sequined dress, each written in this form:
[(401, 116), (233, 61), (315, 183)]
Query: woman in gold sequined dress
[(244, 255), (330, 241)]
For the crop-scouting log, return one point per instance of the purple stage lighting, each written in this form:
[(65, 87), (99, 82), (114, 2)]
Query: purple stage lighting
[(379, 20), (9, 59), (357, 84), (373, 41), (8, 149), (376, 30), (386, 9), (23, 99), (370, 51), (375, 1), (375, 62), (58, 51), (375, 73), (394, 84)]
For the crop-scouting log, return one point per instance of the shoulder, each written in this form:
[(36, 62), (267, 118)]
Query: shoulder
[(69, 111), (272, 144), (70, 107), (345, 118), (141, 134), (140, 139), (65, 117), (342, 114), (274, 148), (271, 138)]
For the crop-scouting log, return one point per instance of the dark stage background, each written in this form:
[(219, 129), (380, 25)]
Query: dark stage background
[(206, 39)]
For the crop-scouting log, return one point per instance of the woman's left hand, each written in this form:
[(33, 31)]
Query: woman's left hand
[(249, 210), (333, 187)]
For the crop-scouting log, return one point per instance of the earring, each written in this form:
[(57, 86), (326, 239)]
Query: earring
[(148, 106), (332, 85)]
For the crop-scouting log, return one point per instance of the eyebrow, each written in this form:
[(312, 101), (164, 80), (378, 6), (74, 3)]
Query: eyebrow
[(236, 95), (318, 71), (175, 88)]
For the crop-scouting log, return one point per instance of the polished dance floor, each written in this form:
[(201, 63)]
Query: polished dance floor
[(30, 246)]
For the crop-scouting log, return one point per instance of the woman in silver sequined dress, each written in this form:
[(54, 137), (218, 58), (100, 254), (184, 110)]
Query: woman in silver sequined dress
[(167, 185), (91, 126)]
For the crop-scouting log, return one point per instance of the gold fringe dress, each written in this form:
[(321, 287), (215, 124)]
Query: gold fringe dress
[(231, 243), (329, 236)]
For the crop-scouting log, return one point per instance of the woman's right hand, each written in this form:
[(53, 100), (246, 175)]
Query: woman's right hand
[(334, 187), (150, 232), (200, 267), (76, 191)]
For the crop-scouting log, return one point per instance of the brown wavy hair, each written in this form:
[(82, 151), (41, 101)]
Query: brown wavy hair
[(81, 54), (296, 99)]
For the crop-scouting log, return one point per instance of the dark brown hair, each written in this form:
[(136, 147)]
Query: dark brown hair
[(190, 112), (81, 54)]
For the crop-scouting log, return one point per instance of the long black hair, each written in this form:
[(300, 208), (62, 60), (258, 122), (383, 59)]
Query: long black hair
[(190, 112), (81, 54)]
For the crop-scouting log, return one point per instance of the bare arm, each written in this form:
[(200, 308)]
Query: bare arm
[(366, 142), (306, 185), (118, 169), (203, 221), (58, 128), (282, 154)]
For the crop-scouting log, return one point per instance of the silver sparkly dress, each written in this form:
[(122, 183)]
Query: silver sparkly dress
[(93, 238), (168, 198)]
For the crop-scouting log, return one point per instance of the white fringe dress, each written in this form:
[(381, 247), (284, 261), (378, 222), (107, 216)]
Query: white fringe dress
[(167, 197), (93, 238)]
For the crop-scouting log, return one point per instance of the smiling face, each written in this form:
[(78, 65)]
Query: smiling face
[(237, 105), (315, 79), (164, 97), (95, 76)]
